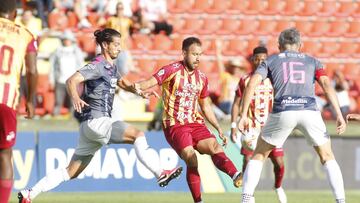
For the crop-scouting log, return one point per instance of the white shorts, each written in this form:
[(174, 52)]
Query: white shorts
[(279, 126), (98, 132)]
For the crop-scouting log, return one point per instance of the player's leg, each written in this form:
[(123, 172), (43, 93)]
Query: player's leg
[(123, 133), (276, 156), (314, 129), (206, 144), (333, 171), (7, 140), (277, 128)]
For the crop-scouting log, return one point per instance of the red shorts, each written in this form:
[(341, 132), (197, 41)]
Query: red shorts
[(7, 126), (276, 152), (181, 136)]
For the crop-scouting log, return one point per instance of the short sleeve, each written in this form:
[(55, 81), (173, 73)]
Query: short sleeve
[(163, 74), (32, 46), (205, 90), (319, 69), (90, 72), (263, 69), (240, 89)]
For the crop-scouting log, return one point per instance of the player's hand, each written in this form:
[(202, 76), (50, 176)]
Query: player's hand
[(30, 110), (243, 125), (79, 104), (340, 125), (147, 94), (222, 137), (353, 117), (233, 135)]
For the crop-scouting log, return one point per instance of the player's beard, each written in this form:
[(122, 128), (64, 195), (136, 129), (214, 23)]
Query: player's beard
[(191, 66)]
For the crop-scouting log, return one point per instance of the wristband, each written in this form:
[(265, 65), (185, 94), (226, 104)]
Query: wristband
[(233, 125)]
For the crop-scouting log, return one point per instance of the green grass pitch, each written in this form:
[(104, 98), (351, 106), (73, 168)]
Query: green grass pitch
[(183, 197)]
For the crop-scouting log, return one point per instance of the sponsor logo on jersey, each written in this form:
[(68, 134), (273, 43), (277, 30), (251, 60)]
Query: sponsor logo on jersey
[(161, 72)]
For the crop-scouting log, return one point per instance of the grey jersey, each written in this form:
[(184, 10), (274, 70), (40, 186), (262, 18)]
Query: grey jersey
[(99, 88), (293, 77)]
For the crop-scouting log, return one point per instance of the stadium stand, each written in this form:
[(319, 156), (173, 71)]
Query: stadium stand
[(330, 30)]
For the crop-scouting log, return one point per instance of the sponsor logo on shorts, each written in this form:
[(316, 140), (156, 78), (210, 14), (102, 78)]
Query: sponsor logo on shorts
[(10, 136)]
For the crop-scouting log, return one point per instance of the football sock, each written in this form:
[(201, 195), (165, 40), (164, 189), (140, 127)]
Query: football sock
[(5, 190), (279, 174), (334, 175), (50, 181), (193, 180), (222, 162), (251, 179), (145, 157)]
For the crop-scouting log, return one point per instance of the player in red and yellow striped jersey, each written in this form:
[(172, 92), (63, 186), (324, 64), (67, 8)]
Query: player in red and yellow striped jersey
[(184, 88), (260, 107), (16, 46)]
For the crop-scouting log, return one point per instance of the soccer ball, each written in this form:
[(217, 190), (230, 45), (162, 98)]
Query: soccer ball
[(249, 139)]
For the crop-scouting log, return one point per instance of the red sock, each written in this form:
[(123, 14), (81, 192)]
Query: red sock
[(193, 179), (279, 174), (5, 190), (223, 163)]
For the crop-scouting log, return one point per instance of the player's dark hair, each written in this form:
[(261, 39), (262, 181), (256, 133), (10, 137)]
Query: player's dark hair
[(7, 6), (289, 36), (260, 50), (190, 41), (105, 35)]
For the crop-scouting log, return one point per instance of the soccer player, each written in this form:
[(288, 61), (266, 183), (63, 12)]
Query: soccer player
[(260, 107), (93, 109), (293, 75), (184, 87), (353, 117), (16, 45)]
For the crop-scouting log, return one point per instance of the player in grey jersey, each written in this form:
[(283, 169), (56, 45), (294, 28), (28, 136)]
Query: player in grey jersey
[(97, 128), (293, 77)]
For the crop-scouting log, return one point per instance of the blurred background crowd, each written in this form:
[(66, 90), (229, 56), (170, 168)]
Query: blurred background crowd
[(152, 33)]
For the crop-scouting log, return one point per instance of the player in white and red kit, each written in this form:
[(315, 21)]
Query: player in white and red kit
[(184, 88), (293, 75), (17, 45), (260, 107)]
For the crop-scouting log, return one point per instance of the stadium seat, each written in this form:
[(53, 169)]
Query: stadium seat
[(142, 42), (272, 45), (347, 49), (338, 28), (292, 7), (252, 43), (331, 67), (328, 8), (311, 47), (237, 6), (346, 8), (181, 6), (352, 70), (319, 28), (273, 7), (247, 26), (208, 46), (192, 25), (87, 42), (200, 6), (328, 49), (356, 13), (282, 25), (210, 26), (255, 7), (161, 43), (229, 26), (304, 26), (354, 29), (311, 7), (177, 23), (356, 53), (218, 7), (176, 45), (207, 66), (266, 27), (235, 47), (147, 66), (161, 63)]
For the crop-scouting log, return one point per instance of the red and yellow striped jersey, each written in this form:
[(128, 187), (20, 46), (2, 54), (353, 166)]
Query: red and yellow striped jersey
[(261, 102), (15, 42), (180, 93)]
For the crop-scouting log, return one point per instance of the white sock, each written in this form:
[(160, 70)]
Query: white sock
[(141, 148), (251, 178), (50, 181), (335, 179)]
